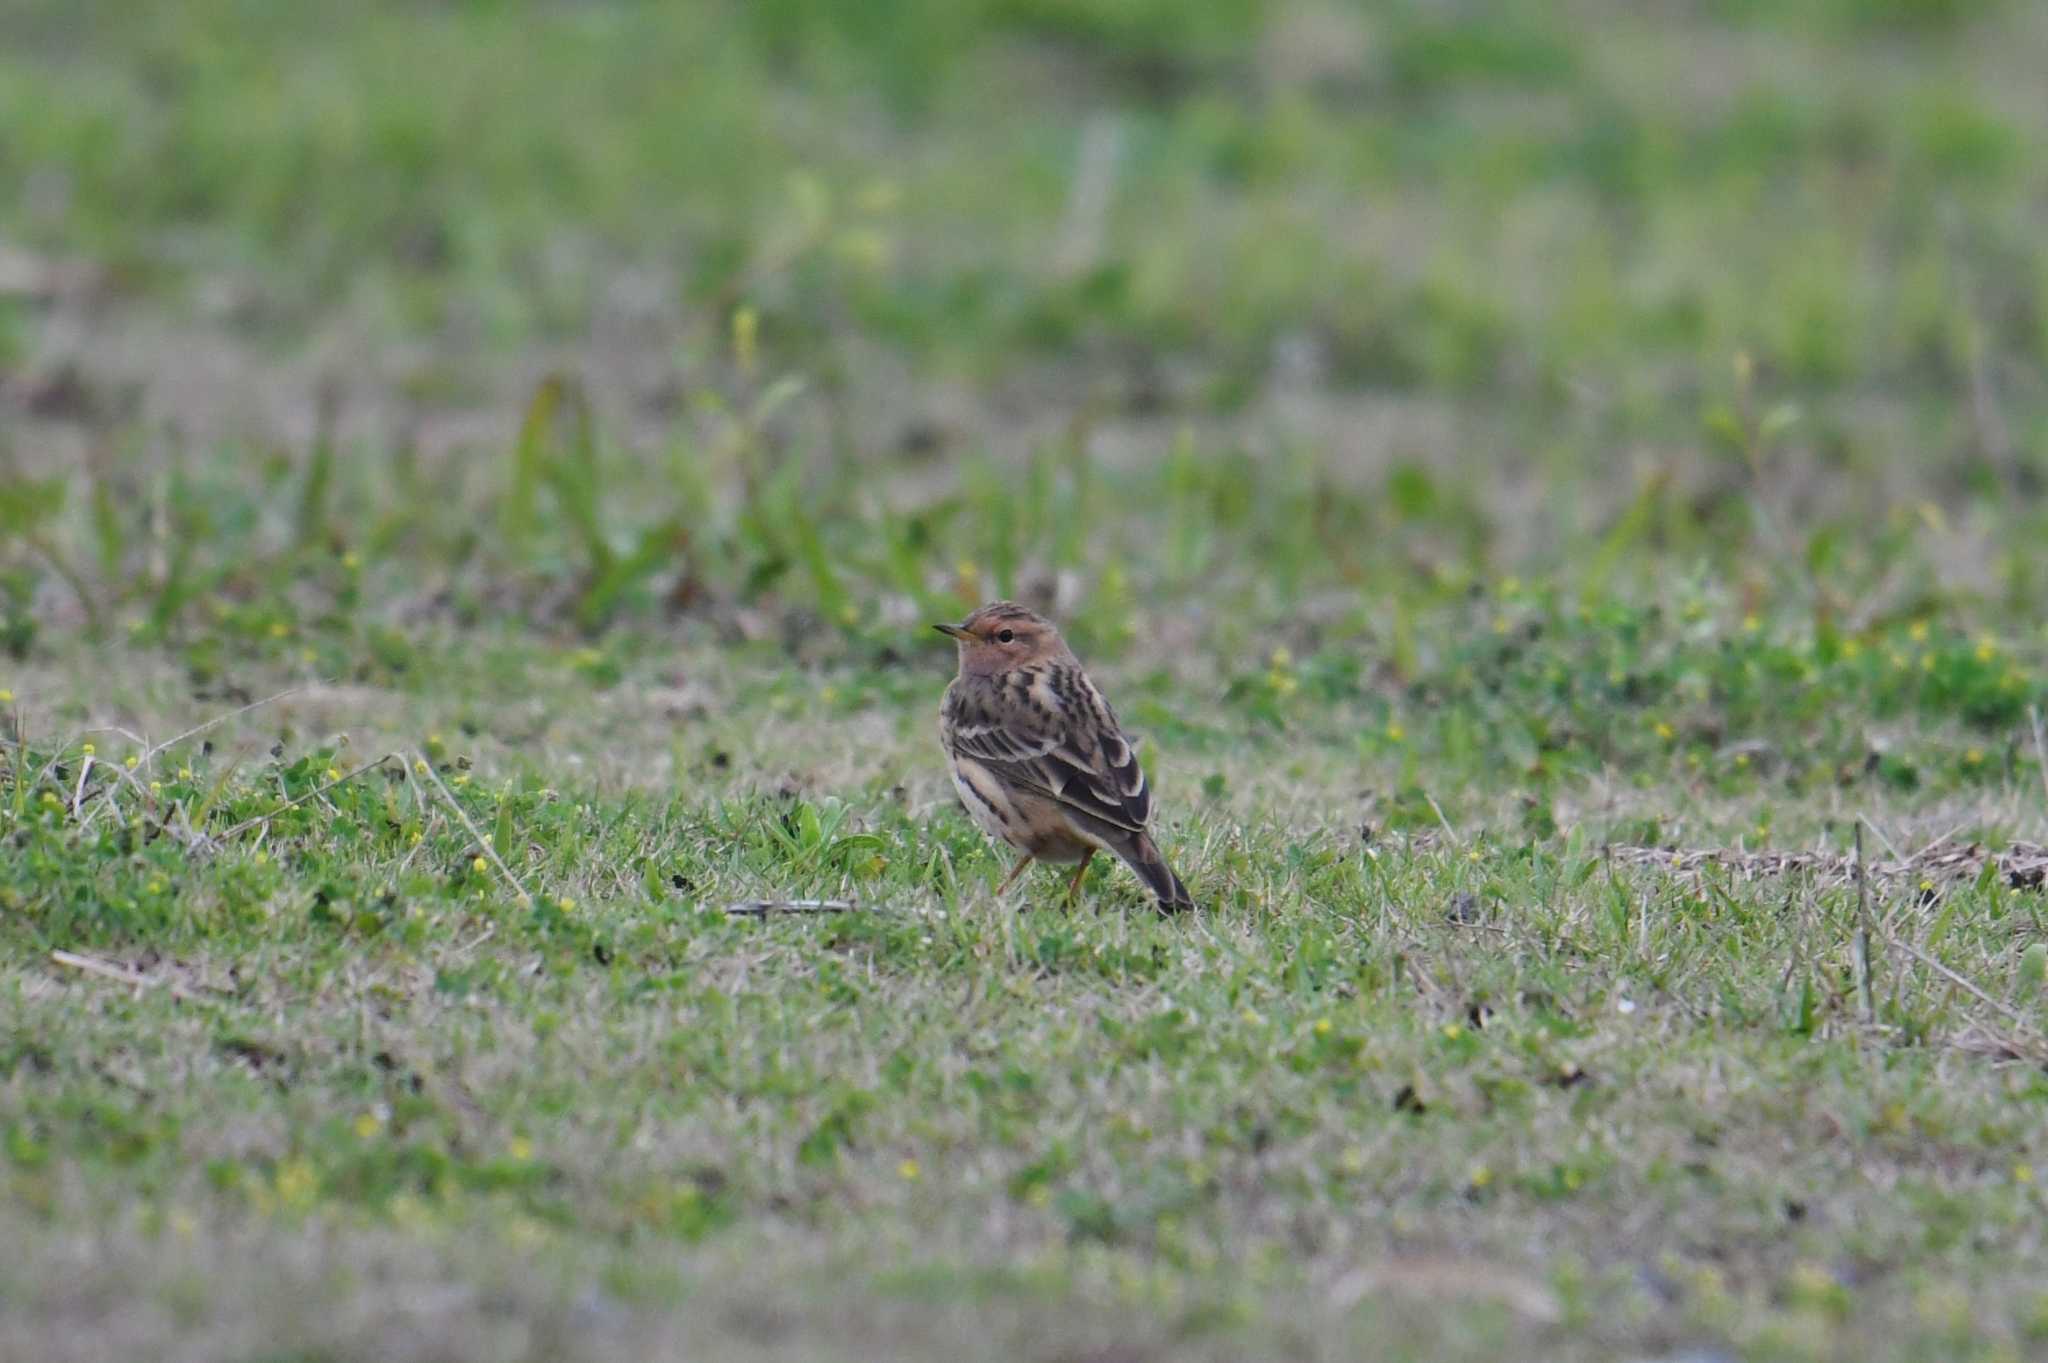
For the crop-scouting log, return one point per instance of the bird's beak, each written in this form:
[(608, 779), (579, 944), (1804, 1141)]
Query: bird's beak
[(952, 631)]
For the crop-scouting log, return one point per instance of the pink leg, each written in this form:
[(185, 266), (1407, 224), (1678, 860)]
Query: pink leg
[(1015, 871), (1074, 885)]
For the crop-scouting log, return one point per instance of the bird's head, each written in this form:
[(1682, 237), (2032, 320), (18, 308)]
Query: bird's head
[(1003, 635)]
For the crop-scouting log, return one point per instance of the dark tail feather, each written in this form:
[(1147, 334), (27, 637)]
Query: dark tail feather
[(1141, 854)]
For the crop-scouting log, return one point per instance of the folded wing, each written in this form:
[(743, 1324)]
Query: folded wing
[(1079, 758)]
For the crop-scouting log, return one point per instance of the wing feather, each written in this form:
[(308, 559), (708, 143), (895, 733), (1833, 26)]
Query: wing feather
[(1073, 752)]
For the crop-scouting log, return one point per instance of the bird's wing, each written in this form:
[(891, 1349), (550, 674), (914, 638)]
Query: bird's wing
[(1077, 755)]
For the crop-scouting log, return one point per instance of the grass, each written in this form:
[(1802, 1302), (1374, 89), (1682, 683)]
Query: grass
[(1492, 455)]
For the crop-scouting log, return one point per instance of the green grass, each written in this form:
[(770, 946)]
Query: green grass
[(1490, 453)]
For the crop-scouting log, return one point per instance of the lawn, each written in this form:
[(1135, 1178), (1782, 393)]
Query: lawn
[(1557, 489)]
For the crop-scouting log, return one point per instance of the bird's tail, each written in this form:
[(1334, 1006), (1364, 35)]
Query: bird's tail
[(1141, 854)]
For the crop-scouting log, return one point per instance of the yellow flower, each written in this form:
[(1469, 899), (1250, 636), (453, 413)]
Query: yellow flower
[(334, 773), (297, 1184), (350, 561), (1481, 1176), (1750, 624), (279, 629), (1452, 1031), (131, 761), (418, 837), (1742, 759), (566, 904), (1973, 757), (2023, 1173), (156, 787), (1322, 1026), (1251, 1017), (908, 1171), (479, 865), (184, 773), (87, 748), (520, 1149), (367, 1125), (1987, 648), (1665, 731), (1917, 632), (1395, 733), (1852, 648), (6, 696)]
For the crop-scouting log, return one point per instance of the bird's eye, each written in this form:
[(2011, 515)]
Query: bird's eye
[(1007, 636)]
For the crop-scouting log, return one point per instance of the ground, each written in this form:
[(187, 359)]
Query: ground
[(1548, 484)]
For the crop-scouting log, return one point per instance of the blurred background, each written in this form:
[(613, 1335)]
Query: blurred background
[(853, 311), (1528, 472)]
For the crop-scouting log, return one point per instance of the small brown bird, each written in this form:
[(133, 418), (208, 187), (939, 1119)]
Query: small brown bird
[(1037, 755)]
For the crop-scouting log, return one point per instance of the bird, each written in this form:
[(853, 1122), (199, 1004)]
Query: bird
[(1038, 757)]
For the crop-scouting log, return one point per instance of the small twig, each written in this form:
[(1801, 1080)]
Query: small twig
[(217, 721), (1959, 981), (122, 772), (1941, 841), (343, 780), (78, 796), (107, 970), (137, 739), (761, 908), (1865, 986), (421, 764), (490, 930), (1798, 954), (1879, 834), (1438, 810)]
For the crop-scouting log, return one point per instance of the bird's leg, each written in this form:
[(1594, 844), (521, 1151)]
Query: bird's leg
[(1015, 871), (1074, 885)]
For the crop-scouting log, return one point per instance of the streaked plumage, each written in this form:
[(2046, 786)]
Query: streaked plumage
[(1037, 755)]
